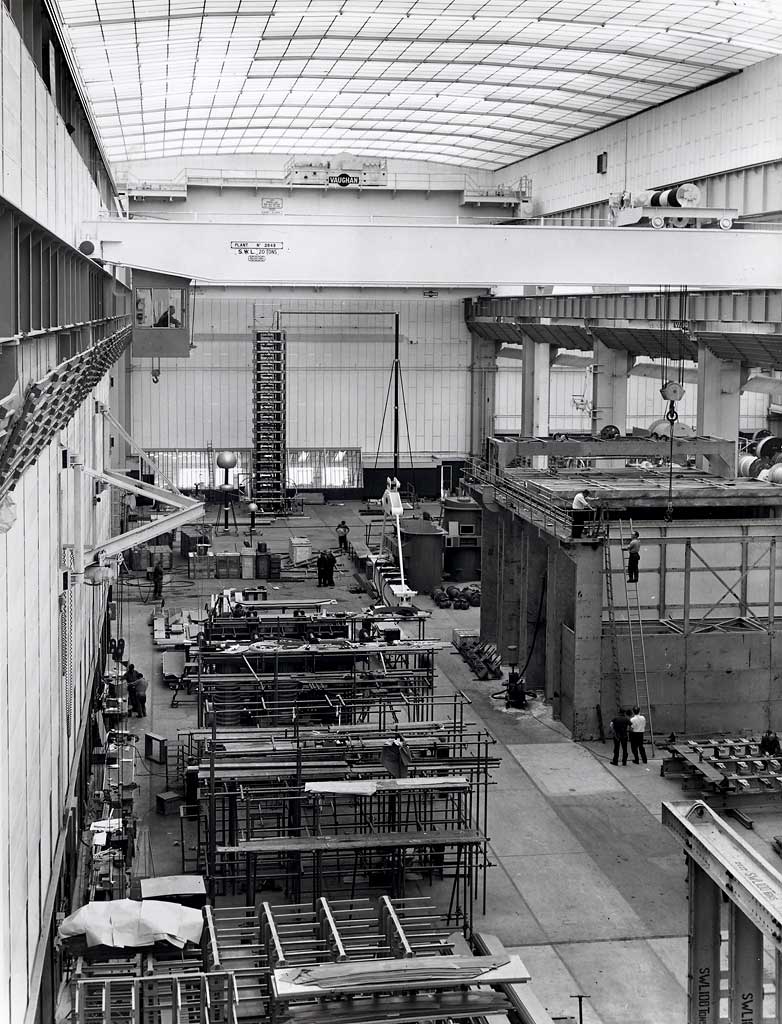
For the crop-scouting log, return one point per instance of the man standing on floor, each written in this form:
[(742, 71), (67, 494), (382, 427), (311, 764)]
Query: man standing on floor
[(633, 549), (342, 535), (131, 678), (322, 569), (637, 727), (157, 580), (330, 563), (619, 728), (141, 697)]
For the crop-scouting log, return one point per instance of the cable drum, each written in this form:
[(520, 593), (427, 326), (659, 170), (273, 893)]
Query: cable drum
[(745, 464), (758, 467), (682, 196), (775, 474), (768, 447)]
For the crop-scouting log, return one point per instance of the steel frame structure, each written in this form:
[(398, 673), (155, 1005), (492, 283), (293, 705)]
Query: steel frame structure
[(722, 867)]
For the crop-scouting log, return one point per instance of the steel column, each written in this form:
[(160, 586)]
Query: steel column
[(704, 948), (745, 969)]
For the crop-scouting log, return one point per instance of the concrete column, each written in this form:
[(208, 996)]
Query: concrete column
[(509, 612), (536, 370), (560, 588), (609, 388), (719, 398), (703, 973), (588, 629), (490, 581), (534, 572), (483, 382), (745, 970)]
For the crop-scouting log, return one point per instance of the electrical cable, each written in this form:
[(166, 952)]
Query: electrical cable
[(407, 421), (501, 694), (383, 419)]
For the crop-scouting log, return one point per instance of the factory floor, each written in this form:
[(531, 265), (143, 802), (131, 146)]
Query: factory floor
[(587, 887)]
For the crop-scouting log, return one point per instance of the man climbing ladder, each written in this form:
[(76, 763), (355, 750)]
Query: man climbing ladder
[(633, 550)]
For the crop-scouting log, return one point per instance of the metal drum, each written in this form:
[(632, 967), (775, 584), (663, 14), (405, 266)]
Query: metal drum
[(768, 447), (758, 467), (745, 462), (775, 474)]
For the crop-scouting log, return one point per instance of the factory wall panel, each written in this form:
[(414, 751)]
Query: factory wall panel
[(38, 732), (339, 367), (570, 396), (41, 171), (729, 125)]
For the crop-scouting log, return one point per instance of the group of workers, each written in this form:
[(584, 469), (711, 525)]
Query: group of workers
[(626, 726), (137, 691)]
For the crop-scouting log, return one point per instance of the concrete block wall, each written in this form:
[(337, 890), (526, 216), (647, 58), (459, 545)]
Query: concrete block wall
[(708, 682)]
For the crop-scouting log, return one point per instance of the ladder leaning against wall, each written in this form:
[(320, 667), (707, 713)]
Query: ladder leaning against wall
[(635, 629)]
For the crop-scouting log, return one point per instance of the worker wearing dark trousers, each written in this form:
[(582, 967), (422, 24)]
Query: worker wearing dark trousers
[(619, 729), (637, 728), (157, 581), (131, 678), (633, 549), (342, 535), (322, 565), (141, 697), (330, 563)]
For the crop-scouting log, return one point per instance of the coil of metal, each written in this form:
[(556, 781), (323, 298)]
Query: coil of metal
[(681, 196), (768, 447), (745, 464)]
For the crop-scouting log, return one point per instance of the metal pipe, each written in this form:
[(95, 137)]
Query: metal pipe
[(396, 404)]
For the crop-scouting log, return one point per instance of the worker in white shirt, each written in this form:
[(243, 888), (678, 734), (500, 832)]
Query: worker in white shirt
[(581, 509), (637, 728)]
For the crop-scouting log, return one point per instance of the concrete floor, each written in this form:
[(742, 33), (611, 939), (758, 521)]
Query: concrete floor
[(586, 886)]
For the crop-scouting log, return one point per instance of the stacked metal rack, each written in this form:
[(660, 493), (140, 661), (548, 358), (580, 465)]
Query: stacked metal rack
[(260, 682), (727, 772), (350, 808), (269, 411)]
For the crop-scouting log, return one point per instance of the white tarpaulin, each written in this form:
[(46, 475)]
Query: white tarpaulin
[(132, 923)]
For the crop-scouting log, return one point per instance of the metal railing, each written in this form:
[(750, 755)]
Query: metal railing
[(520, 498)]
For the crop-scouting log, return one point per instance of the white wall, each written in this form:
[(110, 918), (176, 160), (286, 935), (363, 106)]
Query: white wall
[(41, 171), (644, 403), (37, 737), (735, 123), (336, 382)]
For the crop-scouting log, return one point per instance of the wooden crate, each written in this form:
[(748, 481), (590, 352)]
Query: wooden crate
[(228, 565), (201, 567)]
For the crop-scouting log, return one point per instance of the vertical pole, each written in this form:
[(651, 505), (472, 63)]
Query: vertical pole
[(745, 970), (703, 975), (212, 808), (225, 500), (772, 582), (687, 578), (778, 994), (396, 397)]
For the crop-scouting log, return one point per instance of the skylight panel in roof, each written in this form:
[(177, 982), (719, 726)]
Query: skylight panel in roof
[(574, 64)]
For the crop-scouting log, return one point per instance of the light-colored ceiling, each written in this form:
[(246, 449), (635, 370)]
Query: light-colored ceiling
[(478, 83)]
